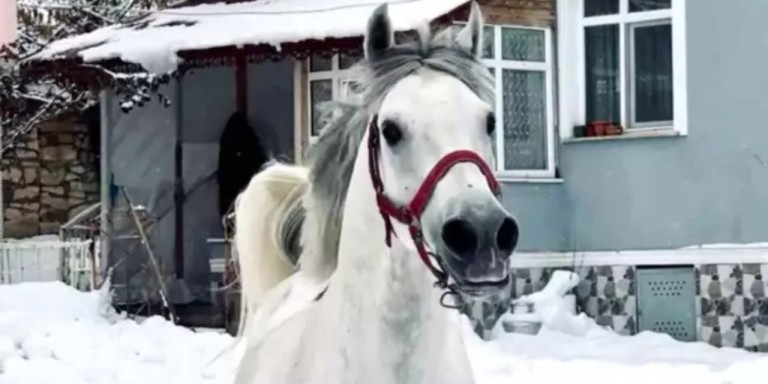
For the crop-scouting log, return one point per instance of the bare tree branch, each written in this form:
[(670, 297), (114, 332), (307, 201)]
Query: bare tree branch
[(26, 101)]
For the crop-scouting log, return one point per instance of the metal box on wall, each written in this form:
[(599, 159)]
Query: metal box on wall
[(666, 301)]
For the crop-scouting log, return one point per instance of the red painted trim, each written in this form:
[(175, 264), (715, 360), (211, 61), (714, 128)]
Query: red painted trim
[(241, 81)]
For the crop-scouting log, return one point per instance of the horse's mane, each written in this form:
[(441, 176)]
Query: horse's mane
[(332, 157)]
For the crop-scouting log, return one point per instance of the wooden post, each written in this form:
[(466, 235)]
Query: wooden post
[(105, 176), (241, 81), (153, 260), (178, 190), (301, 118)]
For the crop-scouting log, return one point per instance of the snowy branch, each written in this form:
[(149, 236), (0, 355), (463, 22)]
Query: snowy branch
[(27, 100)]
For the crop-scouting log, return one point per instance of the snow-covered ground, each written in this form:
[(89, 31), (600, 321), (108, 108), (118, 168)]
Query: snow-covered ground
[(50, 333)]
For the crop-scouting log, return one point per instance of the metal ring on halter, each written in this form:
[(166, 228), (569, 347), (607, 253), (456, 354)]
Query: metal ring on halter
[(442, 283), (449, 292)]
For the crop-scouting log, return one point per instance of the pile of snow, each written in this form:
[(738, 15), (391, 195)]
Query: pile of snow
[(608, 358), (36, 258), (52, 333), (34, 240), (572, 348), (552, 308), (758, 245), (155, 40)]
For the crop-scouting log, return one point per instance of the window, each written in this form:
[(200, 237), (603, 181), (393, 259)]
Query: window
[(520, 61), (328, 80), (520, 58), (622, 62)]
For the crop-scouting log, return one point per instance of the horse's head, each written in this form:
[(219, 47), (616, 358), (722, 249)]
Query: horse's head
[(431, 141)]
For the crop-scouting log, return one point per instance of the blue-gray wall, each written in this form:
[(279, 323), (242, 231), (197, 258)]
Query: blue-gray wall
[(657, 193)]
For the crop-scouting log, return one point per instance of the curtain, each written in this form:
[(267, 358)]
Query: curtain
[(524, 98), (653, 73), (602, 73)]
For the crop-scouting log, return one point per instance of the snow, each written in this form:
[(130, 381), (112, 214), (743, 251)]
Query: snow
[(552, 309), (572, 348), (605, 357), (51, 333), (729, 246), (34, 258), (271, 22), (34, 240)]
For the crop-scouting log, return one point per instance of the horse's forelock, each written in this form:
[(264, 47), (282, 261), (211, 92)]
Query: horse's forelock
[(332, 158)]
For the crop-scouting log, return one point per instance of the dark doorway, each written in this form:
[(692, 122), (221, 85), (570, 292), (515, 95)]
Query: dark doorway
[(241, 155)]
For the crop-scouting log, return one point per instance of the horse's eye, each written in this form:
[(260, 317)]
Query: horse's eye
[(490, 123), (391, 132)]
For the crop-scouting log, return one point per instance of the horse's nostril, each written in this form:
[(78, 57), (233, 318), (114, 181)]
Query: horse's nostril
[(460, 237), (506, 236)]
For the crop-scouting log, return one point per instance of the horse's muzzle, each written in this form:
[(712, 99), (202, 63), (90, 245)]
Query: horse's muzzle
[(476, 245)]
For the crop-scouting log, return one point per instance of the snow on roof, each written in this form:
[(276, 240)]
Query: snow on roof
[(154, 40)]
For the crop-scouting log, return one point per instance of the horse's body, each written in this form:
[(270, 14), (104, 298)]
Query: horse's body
[(379, 321), (357, 310)]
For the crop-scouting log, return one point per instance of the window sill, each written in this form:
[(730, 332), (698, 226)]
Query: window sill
[(647, 134), (507, 179)]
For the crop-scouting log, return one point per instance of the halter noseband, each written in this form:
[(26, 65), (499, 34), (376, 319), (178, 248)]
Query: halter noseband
[(410, 215)]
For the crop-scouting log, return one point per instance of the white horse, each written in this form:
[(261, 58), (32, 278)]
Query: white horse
[(398, 195)]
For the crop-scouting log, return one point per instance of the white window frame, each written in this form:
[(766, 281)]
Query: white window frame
[(498, 64), (339, 78), (572, 66)]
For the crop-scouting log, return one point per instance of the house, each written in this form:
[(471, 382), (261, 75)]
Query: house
[(7, 36), (233, 94), (631, 211), (629, 138), (50, 173)]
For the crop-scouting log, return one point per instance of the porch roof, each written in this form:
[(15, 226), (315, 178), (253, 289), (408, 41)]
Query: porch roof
[(158, 40)]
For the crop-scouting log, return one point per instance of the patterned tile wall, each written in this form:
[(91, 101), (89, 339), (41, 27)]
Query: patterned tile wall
[(605, 293), (733, 305), (483, 314), (732, 301)]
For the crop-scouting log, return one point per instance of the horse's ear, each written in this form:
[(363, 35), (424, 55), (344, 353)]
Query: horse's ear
[(471, 36), (379, 34)]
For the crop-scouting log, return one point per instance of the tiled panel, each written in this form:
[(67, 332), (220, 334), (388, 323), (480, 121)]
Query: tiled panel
[(484, 313), (733, 305), (608, 294), (732, 301)]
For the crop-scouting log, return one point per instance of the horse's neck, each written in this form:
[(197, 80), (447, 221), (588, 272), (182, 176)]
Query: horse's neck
[(385, 300)]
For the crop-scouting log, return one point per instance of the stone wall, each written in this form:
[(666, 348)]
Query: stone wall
[(48, 177)]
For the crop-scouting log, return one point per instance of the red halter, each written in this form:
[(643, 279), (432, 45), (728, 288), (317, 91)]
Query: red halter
[(410, 215)]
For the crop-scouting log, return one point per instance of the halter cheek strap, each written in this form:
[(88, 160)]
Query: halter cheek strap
[(410, 214)]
